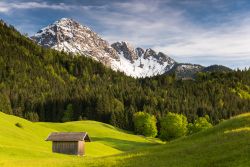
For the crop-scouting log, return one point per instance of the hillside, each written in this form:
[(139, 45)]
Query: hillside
[(105, 134), (214, 68), (190, 71), (227, 144), (27, 141), (185, 70)]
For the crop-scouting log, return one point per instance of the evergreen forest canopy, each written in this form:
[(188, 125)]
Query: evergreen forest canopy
[(42, 84)]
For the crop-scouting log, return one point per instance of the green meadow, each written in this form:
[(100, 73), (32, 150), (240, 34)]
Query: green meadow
[(227, 144)]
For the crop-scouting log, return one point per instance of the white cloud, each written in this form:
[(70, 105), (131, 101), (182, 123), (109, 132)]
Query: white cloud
[(168, 29), (6, 7), (226, 43)]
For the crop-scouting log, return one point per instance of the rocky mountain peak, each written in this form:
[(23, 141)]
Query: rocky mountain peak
[(149, 52), (70, 36), (126, 49), (140, 52), (66, 22), (139, 62)]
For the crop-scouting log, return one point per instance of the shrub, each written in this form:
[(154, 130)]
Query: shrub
[(145, 124), (200, 124), (19, 125), (173, 126)]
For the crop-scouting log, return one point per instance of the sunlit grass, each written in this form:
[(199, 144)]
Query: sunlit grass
[(244, 129), (22, 143), (226, 145)]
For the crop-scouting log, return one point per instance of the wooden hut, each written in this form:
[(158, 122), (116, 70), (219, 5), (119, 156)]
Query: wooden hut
[(69, 142)]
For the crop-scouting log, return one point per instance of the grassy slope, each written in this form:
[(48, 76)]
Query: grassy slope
[(103, 134), (24, 145), (227, 144)]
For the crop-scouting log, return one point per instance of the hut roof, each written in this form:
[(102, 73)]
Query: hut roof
[(68, 136)]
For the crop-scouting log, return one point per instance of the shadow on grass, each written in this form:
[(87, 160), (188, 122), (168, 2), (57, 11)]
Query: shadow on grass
[(115, 128), (124, 145)]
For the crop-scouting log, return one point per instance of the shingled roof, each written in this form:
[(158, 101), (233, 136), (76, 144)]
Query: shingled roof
[(68, 136)]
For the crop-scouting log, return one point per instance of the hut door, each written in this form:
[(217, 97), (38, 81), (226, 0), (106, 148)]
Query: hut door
[(81, 146)]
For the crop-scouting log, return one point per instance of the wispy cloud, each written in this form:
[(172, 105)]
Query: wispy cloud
[(227, 43), (10, 6), (168, 29), (138, 22)]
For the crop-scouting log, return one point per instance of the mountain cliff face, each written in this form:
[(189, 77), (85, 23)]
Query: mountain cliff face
[(139, 62), (70, 36)]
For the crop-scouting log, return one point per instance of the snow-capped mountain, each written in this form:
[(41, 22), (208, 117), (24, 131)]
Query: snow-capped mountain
[(139, 62), (70, 36)]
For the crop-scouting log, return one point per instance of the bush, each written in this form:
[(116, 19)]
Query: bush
[(173, 126), (200, 124), (145, 124), (19, 125)]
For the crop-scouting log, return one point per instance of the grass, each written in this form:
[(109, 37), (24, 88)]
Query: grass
[(104, 134), (227, 144), (22, 143)]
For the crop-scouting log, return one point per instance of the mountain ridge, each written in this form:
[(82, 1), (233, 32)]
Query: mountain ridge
[(70, 36)]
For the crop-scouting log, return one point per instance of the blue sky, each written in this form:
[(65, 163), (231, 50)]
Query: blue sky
[(197, 31)]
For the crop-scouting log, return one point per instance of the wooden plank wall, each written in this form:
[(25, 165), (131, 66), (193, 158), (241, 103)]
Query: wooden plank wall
[(65, 147)]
